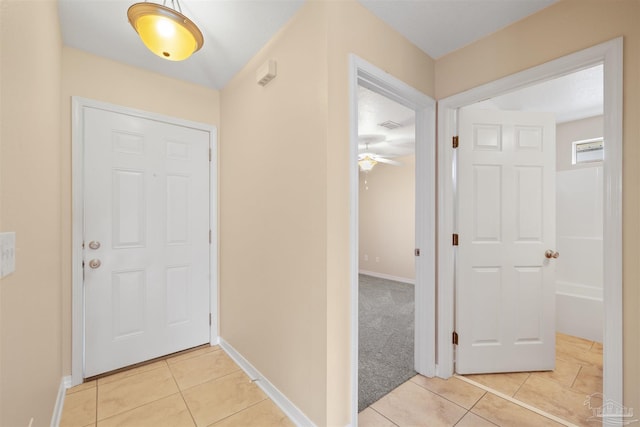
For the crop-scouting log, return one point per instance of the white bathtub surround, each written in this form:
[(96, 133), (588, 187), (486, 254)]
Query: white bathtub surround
[(579, 276), (579, 268), (581, 315)]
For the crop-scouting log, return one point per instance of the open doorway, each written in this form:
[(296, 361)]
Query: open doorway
[(575, 102), (609, 55), (363, 74), (386, 153)]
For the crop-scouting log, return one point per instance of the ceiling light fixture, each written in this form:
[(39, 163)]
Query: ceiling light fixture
[(165, 30), (366, 163)]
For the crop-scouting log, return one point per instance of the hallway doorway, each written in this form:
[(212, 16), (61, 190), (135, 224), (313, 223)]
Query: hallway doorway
[(608, 54), (372, 78)]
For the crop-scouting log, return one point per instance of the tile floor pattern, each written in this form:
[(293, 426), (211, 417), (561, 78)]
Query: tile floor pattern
[(206, 388), (425, 401), (201, 388)]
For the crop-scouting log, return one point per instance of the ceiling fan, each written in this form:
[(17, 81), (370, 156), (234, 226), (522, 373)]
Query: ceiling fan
[(368, 159)]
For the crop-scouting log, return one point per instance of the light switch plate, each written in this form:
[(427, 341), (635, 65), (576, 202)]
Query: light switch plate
[(7, 253)]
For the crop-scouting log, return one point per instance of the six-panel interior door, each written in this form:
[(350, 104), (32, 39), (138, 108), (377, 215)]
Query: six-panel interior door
[(146, 239), (505, 290)]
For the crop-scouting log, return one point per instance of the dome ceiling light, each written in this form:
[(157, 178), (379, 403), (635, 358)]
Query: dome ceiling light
[(164, 30)]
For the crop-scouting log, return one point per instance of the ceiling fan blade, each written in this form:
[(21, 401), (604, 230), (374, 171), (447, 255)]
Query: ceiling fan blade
[(387, 161)]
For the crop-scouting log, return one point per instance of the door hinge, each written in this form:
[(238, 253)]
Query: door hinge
[(209, 319), (455, 240), (416, 251), (209, 236), (454, 338), (210, 154), (454, 143)]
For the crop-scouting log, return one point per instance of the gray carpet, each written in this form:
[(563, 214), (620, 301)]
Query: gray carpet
[(385, 337)]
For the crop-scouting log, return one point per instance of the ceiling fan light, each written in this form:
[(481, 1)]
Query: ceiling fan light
[(366, 164), (165, 31)]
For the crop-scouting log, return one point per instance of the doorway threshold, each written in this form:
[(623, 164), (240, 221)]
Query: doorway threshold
[(516, 401), (145, 363)]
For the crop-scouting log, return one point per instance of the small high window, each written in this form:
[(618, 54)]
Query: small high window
[(588, 150)]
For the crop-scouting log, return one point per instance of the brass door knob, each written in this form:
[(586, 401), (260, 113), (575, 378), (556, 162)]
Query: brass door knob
[(551, 254)]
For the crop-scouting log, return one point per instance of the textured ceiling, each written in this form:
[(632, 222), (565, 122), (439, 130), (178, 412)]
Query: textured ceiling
[(442, 26), (572, 97), (373, 111), (235, 30)]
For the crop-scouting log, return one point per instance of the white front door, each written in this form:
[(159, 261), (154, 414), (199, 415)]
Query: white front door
[(505, 290), (146, 239)]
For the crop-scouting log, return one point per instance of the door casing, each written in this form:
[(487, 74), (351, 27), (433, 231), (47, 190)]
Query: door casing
[(77, 153), (363, 73), (609, 54)]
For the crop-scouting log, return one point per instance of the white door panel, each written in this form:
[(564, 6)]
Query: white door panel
[(505, 290), (146, 201)]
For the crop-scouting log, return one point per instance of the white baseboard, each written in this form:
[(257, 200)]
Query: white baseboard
[(296, 415), (65, 383), (388, 277)]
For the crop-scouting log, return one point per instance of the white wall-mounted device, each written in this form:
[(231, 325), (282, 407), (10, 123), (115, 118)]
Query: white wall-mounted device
[(266, 72)]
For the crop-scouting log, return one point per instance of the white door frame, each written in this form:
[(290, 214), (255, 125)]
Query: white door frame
[(363, 73), (610, 54), (77, 160)]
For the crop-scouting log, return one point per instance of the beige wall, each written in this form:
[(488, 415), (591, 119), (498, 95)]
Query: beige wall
[(577, 130), (285, 295), (101, 79), (272, 214), (387, 220), (558, 30), (30, 314)]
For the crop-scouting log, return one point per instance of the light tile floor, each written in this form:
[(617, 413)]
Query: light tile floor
[(200, 388), (206, 388), (562, 393)]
